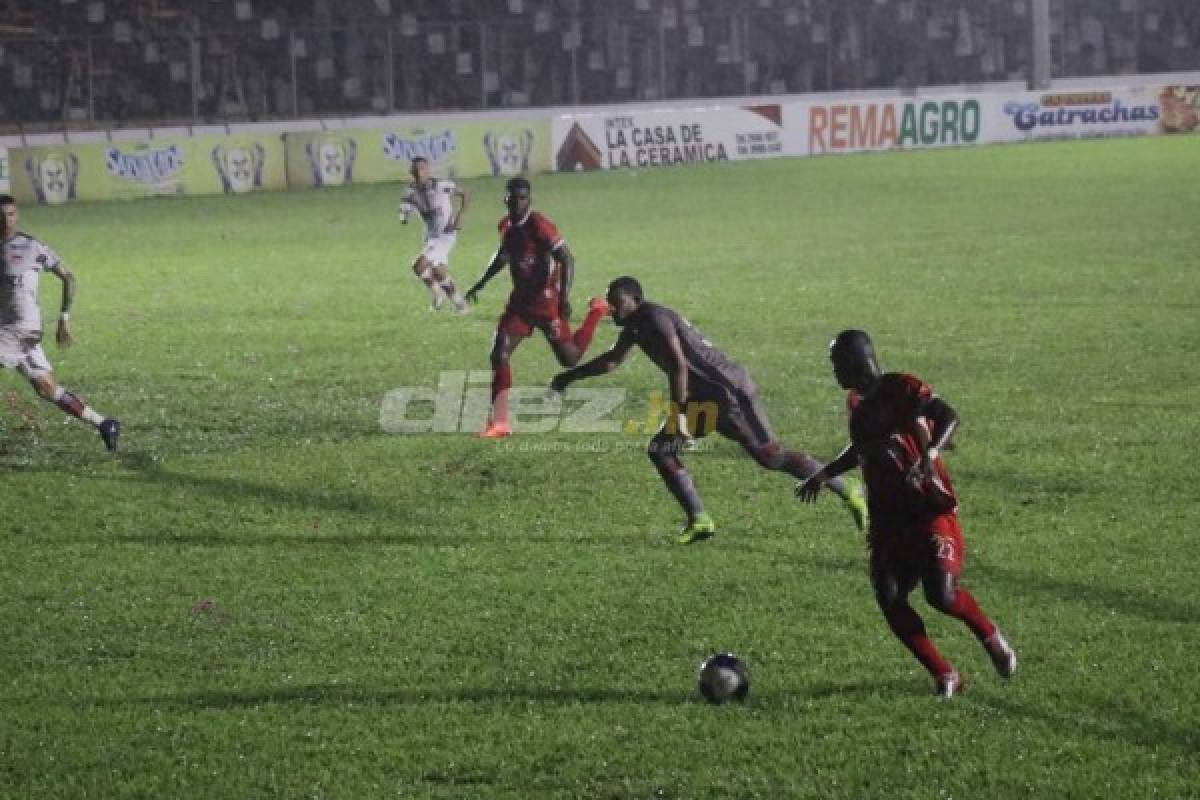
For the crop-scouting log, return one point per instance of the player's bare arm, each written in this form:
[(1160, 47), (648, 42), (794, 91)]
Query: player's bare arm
[(455, 222), (499, 260), (62, 334), (943, 421), (566, 270), (677, 376), (677, 372), (606, 362), (406, 208), (845, 461)]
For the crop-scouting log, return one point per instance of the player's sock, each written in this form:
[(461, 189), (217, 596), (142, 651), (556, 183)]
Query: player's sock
[(437, 293), (447, 287), (587, 329), (910, 630), (966, 609), (76, 407), (501, 383), (679, 483)]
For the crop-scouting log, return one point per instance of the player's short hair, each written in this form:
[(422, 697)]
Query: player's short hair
[(852, 342), (628, 285), (421, 159), (7, 200), (516, 184)]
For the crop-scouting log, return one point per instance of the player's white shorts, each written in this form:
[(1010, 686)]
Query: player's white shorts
[(437, 249), (22, 351)]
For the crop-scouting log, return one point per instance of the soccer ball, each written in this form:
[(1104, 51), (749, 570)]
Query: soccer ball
[(723, 677)]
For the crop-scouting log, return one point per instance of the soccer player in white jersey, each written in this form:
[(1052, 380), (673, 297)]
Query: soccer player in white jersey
[(22, 260), (433, 199)]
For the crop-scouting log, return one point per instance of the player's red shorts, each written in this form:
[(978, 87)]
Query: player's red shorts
[(914, 550), (519, 323)]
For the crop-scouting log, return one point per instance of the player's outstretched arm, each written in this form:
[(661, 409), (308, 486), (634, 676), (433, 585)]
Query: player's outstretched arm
[(494, 266), (844, 462), (607, 361), (62, 334)]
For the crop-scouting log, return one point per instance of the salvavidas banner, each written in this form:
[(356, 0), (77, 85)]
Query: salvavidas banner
[(59, 174), (454, 149)]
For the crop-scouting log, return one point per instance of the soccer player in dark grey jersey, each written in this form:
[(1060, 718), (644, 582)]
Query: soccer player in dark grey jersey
[(708, 392)]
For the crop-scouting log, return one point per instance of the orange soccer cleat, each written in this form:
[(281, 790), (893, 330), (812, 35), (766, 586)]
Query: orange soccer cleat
[(495, 430)]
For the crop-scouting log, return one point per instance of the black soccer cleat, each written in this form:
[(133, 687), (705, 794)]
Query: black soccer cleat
[(110, 431)]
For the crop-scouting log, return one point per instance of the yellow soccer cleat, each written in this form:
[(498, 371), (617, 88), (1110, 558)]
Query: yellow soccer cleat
[(856, 504), (699, 529)]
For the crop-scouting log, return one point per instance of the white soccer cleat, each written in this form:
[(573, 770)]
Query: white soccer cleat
[(1004, 658), (949, 684)]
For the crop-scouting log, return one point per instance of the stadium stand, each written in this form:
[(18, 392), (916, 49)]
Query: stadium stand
[(83, 63)]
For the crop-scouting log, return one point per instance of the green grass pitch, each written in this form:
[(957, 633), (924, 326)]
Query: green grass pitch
[(265, 595)]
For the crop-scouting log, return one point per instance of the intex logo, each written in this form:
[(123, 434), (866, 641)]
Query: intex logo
[(151, 166), (432, 146), (462, 400)]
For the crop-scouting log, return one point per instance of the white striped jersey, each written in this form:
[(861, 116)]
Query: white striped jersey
[(433, 202), (23, 261)]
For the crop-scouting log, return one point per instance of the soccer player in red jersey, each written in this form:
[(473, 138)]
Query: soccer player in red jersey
[(898, 428), (542, 270)]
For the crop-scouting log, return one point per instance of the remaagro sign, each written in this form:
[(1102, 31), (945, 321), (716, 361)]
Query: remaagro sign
[(851, 127), (640, 139)]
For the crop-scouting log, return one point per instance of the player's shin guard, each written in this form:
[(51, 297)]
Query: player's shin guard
[(587, 329), (910, 630), (75, 407), (501, 383)]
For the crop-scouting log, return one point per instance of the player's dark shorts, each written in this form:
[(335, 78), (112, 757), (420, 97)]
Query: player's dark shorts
[(521, 322), (913, 550), (740, 413)]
